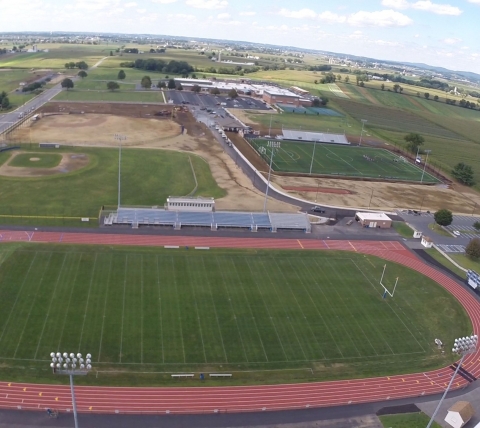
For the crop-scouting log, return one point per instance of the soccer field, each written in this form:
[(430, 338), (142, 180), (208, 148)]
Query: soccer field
[(185, 310), (346, 161)]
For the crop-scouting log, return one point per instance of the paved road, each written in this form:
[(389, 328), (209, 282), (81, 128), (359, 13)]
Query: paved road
[(7, 119)]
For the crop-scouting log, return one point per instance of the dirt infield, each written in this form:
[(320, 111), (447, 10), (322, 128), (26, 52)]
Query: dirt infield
[(70, 162)]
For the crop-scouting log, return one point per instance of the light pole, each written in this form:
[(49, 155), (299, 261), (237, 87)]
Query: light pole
[(273, 146), (463, 347), (119, 138), (425, 165), (364, 121), (71, 365), (313, 156)]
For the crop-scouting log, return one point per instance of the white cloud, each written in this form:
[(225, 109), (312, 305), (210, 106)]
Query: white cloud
[(382, 18), (474, 1), (208, 4), (251, 13), (141, 10), (181, 17), (131, 4), (298, 14), (451, 41), (425, 5), (223, 16), (164, 1)]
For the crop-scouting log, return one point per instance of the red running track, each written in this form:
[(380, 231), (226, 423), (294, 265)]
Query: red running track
[(249, 398)]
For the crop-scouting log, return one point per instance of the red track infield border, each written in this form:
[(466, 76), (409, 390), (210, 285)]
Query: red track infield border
[(242, 398)]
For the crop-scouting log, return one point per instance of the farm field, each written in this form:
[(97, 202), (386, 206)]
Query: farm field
[(346, 161), (269, 316), (81, 193)]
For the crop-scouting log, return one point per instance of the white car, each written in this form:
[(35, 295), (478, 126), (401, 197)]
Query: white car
[(456, 233)]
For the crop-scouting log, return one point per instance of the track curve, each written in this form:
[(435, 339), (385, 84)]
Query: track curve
[(175, 400)]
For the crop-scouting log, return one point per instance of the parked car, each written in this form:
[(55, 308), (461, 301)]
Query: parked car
[(456, 233), (317, 209)]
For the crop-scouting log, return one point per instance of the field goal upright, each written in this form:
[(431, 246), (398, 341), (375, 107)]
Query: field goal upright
[(385, 289)]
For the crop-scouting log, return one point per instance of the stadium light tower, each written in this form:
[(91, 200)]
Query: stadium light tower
[(274, 145), (119, 138), (313, 156), (364, 121), (71, 365), (463, 346), (425, 165)]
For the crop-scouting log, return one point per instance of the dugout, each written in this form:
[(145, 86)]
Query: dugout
[(377, 220)]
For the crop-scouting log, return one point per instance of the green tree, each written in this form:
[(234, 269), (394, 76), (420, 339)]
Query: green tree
[(5, 103), (473, 248), (111, 53), (179, 87), (171, 84), (232, 93), (67, 83), (362, 83), (196, 88), (396, 87), (111, 86), (435, 98), (121, 75), (443, 217), (476, 225), (316, 102), (347, 79), (146, 82), (414, 141), (82, 65), (382, 86), (339, 77), (82, 74), (426, 95), (463, 173), (162, 84), (215, 91)]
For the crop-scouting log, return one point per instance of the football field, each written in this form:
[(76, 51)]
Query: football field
[(339, 160), (186, 310)]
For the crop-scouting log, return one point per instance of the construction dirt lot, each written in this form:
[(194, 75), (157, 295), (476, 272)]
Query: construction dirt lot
[(144, 130), (94, 124)]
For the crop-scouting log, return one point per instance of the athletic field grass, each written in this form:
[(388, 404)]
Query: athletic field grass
[(267, 316), (148, 178), (346, 161), (41, 160)]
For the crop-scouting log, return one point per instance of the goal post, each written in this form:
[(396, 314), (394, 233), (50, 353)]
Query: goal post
[(386, 292)]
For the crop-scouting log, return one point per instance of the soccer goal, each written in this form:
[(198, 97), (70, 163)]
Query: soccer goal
[(385, 289)]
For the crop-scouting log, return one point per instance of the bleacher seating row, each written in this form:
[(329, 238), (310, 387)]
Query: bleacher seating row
[(214, 220)]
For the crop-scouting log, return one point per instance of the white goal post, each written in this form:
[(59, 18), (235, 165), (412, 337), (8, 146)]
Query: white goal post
[(385, 289)]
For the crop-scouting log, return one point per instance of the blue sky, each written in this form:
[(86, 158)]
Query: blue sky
[(442, 33)]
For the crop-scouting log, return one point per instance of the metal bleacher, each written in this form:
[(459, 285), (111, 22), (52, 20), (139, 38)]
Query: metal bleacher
[(214, 220)]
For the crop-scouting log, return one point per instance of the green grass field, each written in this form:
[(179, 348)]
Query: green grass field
[(42, 160), (148, 178), (247, 311), (104, 95), (408, 420), (347, 161)]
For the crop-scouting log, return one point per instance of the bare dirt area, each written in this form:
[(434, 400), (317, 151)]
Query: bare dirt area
[(318, 189), (98, 130), (70, 162), (384, 196), (94, 129)]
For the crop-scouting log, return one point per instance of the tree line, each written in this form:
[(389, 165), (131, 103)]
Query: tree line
[(159, 65), (82, 65)]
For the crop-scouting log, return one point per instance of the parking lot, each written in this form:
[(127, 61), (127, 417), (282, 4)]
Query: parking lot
[(213, 101)]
